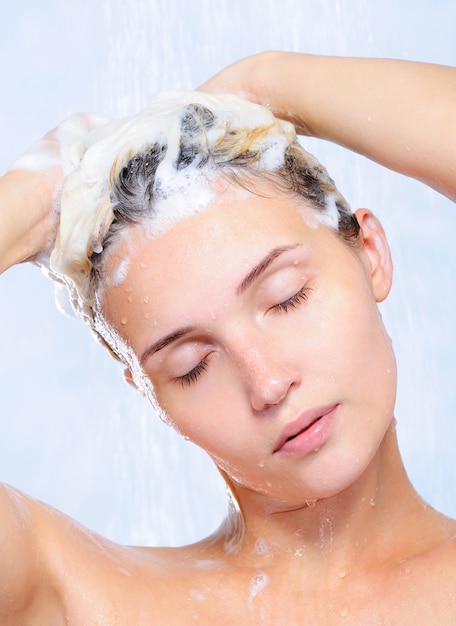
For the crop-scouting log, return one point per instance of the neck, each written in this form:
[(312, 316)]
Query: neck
[(371, 519)]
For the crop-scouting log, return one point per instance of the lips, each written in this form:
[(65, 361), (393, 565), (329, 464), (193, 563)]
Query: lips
[(308, 423)]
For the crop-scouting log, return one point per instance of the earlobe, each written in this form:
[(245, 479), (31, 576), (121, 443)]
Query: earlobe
[(129, 378), (376, 247)]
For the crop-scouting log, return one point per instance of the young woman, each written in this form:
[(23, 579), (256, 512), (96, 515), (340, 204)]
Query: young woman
[(217, 260)]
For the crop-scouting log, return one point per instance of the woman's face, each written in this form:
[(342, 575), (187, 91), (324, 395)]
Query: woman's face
[(260, 332)]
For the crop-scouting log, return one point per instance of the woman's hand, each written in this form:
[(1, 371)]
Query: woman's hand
[(399, 113), (263, 78), (29, 194)]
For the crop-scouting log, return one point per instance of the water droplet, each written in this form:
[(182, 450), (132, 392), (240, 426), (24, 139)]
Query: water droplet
[(124, 321), (311, 503), (129, 289), (342, 574), (260, 463), (146, 316), (143, 265), (146, 299), (130, 298), (295, 261), (261, 547), (372, 502), (268, 484), (344, 612), (257, 584), (316, 449), (196, 594)]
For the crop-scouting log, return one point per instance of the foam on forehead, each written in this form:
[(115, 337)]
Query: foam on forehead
[(97, 159)]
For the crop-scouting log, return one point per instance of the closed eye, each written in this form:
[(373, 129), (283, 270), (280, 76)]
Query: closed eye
[(291, 303), (192, 376)]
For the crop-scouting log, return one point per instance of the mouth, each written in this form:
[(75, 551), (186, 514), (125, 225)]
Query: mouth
[(303, 430), (308, 432)]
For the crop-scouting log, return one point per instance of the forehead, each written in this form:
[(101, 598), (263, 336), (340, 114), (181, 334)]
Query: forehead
[(191, 271), (189, 275), (229, 234)]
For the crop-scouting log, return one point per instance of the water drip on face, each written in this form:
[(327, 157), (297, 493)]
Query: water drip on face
[(120, 273)]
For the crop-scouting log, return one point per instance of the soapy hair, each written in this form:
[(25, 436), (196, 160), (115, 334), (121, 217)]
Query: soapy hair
[(124, 171)]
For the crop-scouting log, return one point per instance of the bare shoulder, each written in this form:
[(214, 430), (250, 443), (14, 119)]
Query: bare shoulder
[(54, 570), (425, 583), (26, 583), (442, 552), (442, 557)]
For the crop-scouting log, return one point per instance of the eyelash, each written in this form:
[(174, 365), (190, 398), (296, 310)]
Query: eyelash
[(283, 307), (293, 302), (193, 375)]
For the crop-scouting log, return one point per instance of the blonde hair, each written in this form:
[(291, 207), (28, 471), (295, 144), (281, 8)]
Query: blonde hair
[(122, 171)]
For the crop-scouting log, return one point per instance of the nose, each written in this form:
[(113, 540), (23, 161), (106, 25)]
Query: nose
[(268, 375)]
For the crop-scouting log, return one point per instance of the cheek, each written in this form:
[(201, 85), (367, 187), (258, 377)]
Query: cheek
[(367, 362), (197, 411), (350, 341)]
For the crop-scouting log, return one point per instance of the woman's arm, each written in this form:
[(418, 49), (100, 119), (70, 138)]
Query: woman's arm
[(399, 113), (25, 582), (28, 219), (29, 193), (28, 226)]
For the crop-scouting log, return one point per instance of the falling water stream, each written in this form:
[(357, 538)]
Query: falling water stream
[(74, 434)]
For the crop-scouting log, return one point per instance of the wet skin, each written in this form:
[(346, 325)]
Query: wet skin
[(264, 327), (242, 366)]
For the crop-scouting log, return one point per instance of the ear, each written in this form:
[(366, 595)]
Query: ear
[(375, 245), (129, 378)]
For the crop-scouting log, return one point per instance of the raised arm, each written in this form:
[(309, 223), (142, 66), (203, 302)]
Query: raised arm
[(28, 219), (29, 193), (28, 224), (401, 114), (26, 583)]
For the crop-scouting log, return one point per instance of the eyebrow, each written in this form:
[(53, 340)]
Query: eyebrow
[(164, 341), (263, 265), (259, 269)]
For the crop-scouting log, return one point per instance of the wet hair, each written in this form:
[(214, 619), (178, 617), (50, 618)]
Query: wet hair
[(237, 158), (126, 170)]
